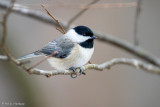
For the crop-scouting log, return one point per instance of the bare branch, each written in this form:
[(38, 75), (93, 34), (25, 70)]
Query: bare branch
[(83, 6), (62, 30), (30, 13), (138, 10), (80, 13), (4, 34), (3, 57), (4, 21), (107, 65), (4, 31), (135, 50)]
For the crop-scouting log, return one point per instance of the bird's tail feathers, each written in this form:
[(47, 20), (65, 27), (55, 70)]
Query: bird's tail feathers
[(31, 55)]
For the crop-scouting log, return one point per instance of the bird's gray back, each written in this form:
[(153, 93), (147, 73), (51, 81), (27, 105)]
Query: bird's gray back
[(61, 46)]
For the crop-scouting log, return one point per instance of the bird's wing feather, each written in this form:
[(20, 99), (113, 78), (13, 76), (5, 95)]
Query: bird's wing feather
[(31, 55), (62, 46)]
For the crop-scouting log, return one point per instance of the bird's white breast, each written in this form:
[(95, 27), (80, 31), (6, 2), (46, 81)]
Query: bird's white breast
[(85, 55), (78, 57)]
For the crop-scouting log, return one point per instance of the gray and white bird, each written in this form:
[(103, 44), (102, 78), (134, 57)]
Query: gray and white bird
[(72, 50)]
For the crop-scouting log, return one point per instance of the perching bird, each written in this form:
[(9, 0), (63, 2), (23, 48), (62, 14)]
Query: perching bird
[(72, 50)]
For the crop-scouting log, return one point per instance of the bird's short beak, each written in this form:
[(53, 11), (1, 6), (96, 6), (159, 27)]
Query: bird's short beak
[(94, 37)]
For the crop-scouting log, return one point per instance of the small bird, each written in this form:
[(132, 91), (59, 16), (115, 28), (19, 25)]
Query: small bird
[(72, 50)]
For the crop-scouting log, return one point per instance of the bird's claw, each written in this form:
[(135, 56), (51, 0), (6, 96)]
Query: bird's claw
[(74, 75), (81, 71)]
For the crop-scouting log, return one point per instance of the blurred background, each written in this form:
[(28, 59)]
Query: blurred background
[(121, 86)]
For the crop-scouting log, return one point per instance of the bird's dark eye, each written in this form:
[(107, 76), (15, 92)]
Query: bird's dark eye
[(84, 34)]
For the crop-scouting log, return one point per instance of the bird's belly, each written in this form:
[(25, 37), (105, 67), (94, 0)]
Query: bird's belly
[(77, 58)]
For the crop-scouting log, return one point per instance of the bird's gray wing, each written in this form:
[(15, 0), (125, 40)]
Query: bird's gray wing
[(61, 46)]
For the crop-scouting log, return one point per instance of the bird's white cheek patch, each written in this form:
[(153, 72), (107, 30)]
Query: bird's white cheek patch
[(71, 34)]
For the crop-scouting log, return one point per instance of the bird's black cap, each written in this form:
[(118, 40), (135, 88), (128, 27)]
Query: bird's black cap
[(84, 30)]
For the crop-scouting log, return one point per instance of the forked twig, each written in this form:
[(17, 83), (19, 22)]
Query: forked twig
[(80, 13), (59, 29), (4, 31), (62, 30), (138, 10)]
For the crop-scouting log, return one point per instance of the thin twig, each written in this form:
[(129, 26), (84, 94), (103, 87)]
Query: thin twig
[(107, 65), (62, 30), (138, 10), (4, 21), (4, 34), (4, 31), (59, 30), (80, 13)]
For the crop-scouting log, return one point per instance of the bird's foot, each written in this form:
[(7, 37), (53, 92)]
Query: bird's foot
[(74, 75)]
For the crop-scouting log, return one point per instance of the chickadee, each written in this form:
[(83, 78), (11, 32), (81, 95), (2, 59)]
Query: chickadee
[(72, 50)]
